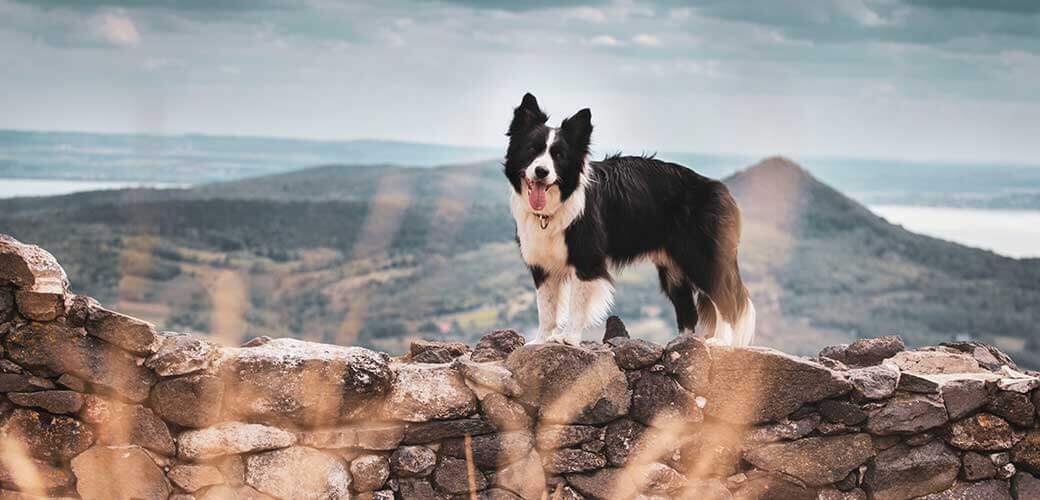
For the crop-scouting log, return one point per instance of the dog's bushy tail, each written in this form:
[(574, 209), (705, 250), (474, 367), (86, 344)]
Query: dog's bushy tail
[(724, 309)]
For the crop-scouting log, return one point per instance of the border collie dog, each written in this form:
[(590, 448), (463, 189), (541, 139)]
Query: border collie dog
[(577, 219)]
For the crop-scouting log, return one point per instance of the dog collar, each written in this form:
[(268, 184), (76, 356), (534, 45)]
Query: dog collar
[(543, 220)]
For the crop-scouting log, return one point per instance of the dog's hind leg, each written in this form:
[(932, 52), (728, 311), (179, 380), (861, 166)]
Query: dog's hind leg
[(680, 292)]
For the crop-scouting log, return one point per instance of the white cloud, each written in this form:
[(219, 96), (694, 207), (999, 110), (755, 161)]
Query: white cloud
[(646, 40), (117, 28), (605, 41)]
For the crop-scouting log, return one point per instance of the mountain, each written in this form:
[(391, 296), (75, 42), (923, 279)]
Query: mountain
[(377, 255)]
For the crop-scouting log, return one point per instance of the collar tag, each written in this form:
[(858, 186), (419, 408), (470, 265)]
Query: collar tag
[(543, 220)]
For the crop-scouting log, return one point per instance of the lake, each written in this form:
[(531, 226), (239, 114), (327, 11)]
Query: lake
[(12, 188), (1015, 233)]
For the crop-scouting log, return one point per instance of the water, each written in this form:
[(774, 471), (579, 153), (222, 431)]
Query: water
[(12, 188), (1014, 233)]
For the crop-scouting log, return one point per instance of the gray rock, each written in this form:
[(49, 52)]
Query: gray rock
[(1026, 453), (1015, 407), (569, 460), (934, 362), (842, 412), (504, 413), (687, 358), (614, 329), (907, 414), (993, 489), (497, 346), (491, 375), (452, 476), (424, 392), (658, 400), (369, 472), (491, 451), (785, 429), (40, 283), (298, 473), (192, 478), (434, 351), (981, 432), (181, 354), (624, 439), (419, 489), (551, 437), (189, 401), (53, 401), (132, 334), (976, 466), (902, 472), (834, 352), (965, 395), (753, 385), (633, 354), (412, 461), (870, 352), (47, 437), (304, 383), (16, 382), (1024, 486), (874, 382), (231, 438), (62, 349), (138, 476), (598, 484), (429, 432), (815, 461), (989, 357), (570, 384)]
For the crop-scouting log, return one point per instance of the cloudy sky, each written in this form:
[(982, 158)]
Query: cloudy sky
[(913, 79)]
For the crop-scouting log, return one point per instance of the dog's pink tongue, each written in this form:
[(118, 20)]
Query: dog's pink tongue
[(537, 196)]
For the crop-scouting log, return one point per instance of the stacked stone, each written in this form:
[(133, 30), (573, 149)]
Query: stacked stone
[(99, 405)]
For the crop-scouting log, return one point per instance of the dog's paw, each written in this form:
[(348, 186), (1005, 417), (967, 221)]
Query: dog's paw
[(563, 338)]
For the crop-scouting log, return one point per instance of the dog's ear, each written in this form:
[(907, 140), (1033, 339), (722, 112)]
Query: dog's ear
[(577, 130), (526, 116)]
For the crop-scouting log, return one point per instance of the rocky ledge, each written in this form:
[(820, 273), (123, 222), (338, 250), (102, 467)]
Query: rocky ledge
[(99, 405)]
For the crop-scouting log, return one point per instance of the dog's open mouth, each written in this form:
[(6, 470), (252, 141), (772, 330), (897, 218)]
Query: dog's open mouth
[(536, 194)]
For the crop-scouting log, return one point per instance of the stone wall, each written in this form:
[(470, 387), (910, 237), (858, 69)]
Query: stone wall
[(99, 405)]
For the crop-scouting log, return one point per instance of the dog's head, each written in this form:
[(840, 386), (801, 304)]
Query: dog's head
[(545, 164)]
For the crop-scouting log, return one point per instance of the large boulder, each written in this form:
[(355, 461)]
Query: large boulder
[(119, 473), (118, 423), (41, 284), (658, 400), (46, 436), (304, 383), (570, 384), (755, 384), (298, 473), (981, 432), (687, 358), (817, 461), (63, 349), (907, 414), (873, 382), (130, 333), (902, 471), (934, 362), (424, 392)]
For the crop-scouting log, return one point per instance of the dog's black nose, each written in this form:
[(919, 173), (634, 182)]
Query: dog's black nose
[(541, 172)]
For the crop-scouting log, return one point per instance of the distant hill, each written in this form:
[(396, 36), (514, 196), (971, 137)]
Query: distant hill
[(378, 255)]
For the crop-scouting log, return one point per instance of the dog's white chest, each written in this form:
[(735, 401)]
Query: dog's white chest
[(545, 248)]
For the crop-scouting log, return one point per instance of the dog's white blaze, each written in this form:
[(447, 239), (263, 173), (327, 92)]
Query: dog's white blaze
[(544, 160)]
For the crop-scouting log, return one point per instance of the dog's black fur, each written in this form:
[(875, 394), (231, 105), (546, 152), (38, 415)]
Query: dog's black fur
[(637, 207)]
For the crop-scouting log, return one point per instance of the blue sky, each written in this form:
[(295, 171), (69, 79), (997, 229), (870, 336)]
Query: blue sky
[(911, 79)]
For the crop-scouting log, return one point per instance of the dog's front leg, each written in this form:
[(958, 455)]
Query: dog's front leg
[(590, 301), (549, 291)]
